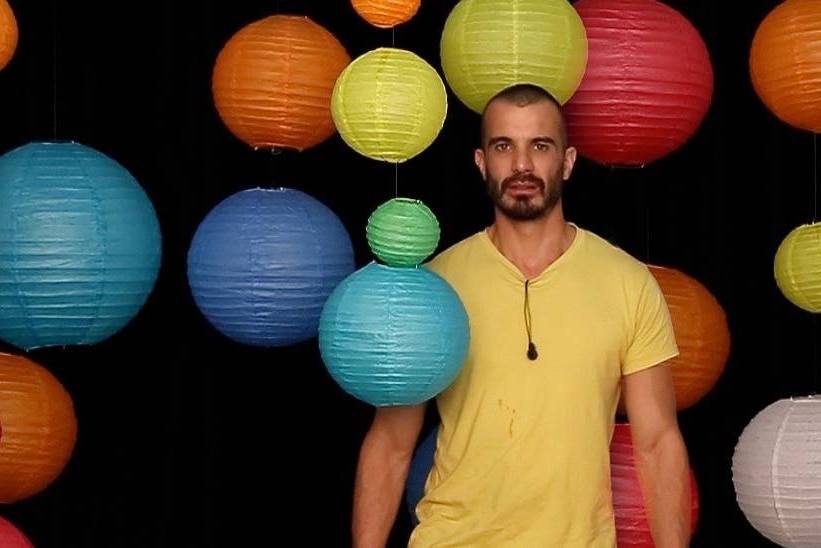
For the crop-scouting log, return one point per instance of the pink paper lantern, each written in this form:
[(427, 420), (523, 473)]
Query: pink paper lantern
[(647, 86), (632, 527), (12, 537)]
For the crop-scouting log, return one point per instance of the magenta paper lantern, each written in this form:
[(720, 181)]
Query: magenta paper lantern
[(647, 86), (632, 527)]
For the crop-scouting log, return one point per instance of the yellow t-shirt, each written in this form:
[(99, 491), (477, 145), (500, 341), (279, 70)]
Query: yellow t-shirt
[(522, 457)]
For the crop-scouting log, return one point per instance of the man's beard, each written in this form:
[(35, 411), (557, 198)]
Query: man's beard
[(526, 208)]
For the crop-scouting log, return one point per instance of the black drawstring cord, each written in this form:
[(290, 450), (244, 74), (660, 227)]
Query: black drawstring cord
[(532, 354)]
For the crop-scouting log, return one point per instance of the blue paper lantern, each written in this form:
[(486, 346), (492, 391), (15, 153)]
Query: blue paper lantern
[(262, 264), (420, 467), (80, 245), (393, 335)]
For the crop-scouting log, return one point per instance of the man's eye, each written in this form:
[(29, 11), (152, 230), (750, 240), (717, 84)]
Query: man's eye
[(502, 146)]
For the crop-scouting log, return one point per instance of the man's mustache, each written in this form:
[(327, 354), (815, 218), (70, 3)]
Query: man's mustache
[(523, 178)]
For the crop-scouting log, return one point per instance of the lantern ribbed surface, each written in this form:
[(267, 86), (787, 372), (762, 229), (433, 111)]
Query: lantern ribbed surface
[(39, 428), (402, 232), (648, 83), (386, 14), (262, 263), (702, 334), (785, 63), (389, 104), (272, 82), (488, 45), (12, 537), (776, 472), (80, 246), (797, 267), (393, 336), (629, 509), (9, 33)]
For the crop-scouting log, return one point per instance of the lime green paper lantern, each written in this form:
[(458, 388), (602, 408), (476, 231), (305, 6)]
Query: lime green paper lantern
[(402, 232), (798, 267), (389, 104), (488, 45)]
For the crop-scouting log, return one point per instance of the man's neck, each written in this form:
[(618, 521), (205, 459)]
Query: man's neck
[(534, 245)]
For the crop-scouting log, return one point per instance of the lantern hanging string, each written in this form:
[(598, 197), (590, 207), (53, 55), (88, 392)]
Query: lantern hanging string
[(814, 220)]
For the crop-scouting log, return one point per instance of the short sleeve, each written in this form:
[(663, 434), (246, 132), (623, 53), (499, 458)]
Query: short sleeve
[(653, 340)]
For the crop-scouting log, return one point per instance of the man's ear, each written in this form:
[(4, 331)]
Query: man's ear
[(569, 161), (479, 160)]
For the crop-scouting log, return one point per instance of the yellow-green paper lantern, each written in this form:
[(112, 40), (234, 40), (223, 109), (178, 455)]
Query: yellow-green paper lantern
[(403, 232), (798, 267), (389, 104), (488, 45)]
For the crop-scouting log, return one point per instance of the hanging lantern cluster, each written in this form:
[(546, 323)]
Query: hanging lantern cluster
[(785, 66), (488, 45), (262, 263), (776, 472), (647, 86), (80, 246), (389, 104), (272, 82)]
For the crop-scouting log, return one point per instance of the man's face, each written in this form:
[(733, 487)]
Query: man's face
[(523, 159)]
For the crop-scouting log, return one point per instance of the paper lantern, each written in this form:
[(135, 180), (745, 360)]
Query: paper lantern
[(785, 63), (12, 537), (262, 263), (80, 246), (272, 82), (386, 14), (402, 232), (488, 45), (389, 104), (776, 472), (632, 527), (629, 508), (8, 34), (648, 83), (39, 428), (797, 267), (393, 336), (702, 335)]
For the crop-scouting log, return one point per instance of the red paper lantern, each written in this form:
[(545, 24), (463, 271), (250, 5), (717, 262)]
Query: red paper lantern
[(39, 428), (385, 14), (632, 526), (702, 334), (12, 537), (272, 82), (647, 86), (785, 63)]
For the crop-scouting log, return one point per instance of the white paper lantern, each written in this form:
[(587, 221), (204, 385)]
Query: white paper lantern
[(777, 472)]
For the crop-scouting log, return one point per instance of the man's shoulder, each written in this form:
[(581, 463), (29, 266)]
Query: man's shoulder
[(455, 254)]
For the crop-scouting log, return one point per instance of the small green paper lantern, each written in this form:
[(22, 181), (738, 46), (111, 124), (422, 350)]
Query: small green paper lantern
[(798, 267), (488, 45), (389, 104), (402, 232)]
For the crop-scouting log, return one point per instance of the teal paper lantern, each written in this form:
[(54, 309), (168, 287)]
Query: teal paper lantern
[(393, 336), (402, 232), (80, 246)]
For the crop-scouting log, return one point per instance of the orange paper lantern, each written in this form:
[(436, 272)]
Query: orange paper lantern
[(785, 63), (272, 82), (702, 334), (385, 14), (8, 33), (39, 428)]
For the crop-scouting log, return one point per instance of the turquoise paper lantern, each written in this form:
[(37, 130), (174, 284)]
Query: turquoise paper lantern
[(393, 336), (263, 262), (402, 232), (80, 246)]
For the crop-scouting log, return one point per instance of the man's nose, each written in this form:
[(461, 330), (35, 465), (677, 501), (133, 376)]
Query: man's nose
[(523, 161)]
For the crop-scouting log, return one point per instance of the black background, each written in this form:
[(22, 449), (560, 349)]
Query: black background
[(188, 439)]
